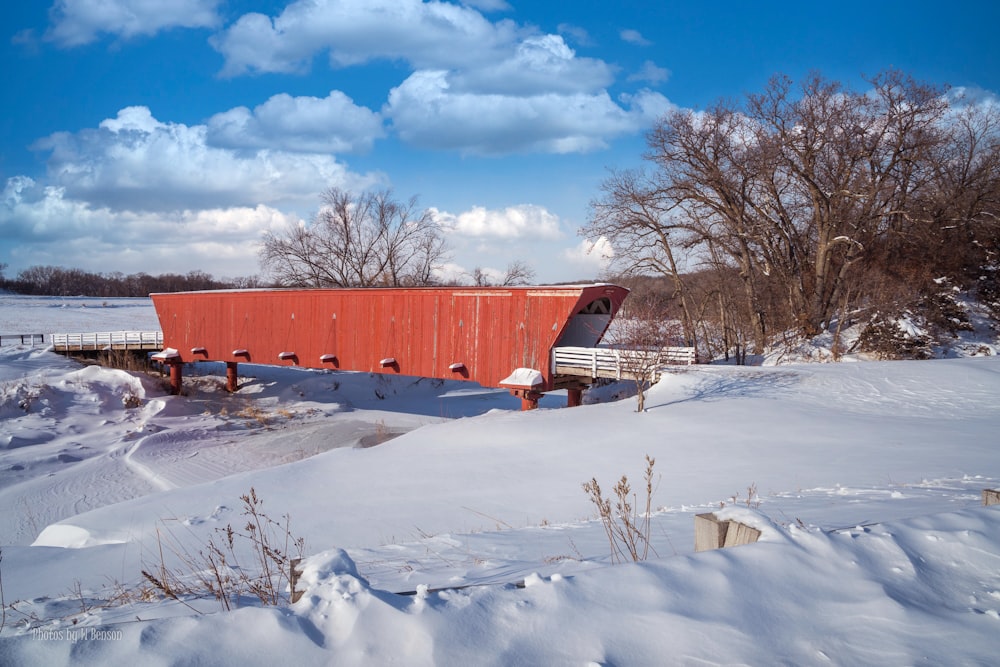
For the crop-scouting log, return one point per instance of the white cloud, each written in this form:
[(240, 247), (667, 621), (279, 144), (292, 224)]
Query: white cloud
[(488, 5), (651, 73), (78, 22), (960, 97), (634, 37), (40, 225), (425, 34), (575, 33), (513, 222), (478, 87), (594, 255), (450, 272), (539, 64), (135, 162), (427, 112), (333, 124)]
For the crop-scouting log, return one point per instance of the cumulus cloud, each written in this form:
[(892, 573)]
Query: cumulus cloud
[(650, 73), (595, 255), (41, 225), (577, 34), (539, 64), (634, 37), (488, 5), (478, 87), (425, 34), (78, 22), (513, 222), (960, 97), (333, 124), (426, 111), (136, 162), (450, 273)]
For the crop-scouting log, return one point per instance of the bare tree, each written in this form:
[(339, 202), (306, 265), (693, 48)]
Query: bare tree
[(637, 217), (517, 272), (639, 336), (364, 240), (816, 199)]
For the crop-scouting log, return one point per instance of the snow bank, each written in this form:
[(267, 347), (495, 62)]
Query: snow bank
[(920, 591)]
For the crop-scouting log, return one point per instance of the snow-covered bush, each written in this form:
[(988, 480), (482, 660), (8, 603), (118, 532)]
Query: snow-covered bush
[(886, 338)]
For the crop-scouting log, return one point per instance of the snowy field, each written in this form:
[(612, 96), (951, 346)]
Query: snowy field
[(442, 526)]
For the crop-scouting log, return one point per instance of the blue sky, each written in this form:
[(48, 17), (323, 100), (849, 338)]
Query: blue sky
[(168, 136)]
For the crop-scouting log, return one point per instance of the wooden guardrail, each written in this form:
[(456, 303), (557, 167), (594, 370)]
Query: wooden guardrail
[(616, 363), (22, 339), (109, 340)]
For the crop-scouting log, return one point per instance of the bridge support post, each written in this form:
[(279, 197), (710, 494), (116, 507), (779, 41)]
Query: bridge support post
[(231, 377), (529, 399), (574, 398), (176, 377)]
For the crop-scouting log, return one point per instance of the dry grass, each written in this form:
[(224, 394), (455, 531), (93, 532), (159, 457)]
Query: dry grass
[(255, 561), (752, 500), (626, 528), (252, 412), (125, 360)]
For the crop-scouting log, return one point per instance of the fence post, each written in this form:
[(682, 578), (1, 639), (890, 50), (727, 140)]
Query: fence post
[(711, 533), (293, 579)]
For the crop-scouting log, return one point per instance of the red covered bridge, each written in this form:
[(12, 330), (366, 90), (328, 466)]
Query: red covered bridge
[(498, 337)]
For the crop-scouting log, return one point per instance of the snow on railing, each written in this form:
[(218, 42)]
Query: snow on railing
[(616, 363), (108, 340)]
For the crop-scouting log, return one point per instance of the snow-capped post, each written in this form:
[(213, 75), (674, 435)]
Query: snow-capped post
[(991, 497), (526, 384), (712, 533), (172, 358)]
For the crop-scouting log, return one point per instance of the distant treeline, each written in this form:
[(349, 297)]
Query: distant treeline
[(58, 281)]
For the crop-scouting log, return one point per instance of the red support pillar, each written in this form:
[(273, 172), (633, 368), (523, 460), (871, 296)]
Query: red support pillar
[(529, 399), (231, 378), (175, 377), (574, 398)]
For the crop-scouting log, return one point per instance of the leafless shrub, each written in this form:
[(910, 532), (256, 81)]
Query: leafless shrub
[(255, 561), (884, 338), (130, 400), (627, 530)]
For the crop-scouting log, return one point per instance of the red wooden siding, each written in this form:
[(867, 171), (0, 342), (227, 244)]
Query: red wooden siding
[(492, 331)]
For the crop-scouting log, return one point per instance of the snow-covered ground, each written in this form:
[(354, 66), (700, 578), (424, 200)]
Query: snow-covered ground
[(442, 526)]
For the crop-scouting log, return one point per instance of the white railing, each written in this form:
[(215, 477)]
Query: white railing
[(617, 363), (108, 340)]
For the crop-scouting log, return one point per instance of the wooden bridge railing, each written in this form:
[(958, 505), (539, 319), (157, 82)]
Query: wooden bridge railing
[(613, 363), (110, 340)]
